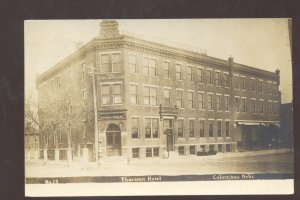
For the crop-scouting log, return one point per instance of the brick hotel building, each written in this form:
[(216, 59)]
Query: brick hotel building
[(151, 97)]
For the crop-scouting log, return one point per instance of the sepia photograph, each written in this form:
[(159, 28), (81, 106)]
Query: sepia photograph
[(158, 107)]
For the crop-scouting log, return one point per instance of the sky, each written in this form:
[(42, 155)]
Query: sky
[(260, 43)]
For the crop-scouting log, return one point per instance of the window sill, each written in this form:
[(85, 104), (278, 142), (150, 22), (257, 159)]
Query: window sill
[(150, 76)]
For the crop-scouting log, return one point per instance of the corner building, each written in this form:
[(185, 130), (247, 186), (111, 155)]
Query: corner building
[(153, 98)]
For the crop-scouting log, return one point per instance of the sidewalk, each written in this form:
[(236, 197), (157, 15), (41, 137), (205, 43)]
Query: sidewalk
[(222, 162)]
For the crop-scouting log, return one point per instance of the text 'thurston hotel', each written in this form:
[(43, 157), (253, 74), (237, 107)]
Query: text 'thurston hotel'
[(152, 97)]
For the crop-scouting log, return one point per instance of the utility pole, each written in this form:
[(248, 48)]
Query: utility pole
[(95, 114)]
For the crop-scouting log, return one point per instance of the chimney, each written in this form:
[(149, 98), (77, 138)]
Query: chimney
[(109, 29)]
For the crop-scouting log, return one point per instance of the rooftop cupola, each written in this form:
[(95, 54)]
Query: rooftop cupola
[(109, 29)]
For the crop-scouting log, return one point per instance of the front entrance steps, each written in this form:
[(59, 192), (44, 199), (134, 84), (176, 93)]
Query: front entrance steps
[(111, 161)]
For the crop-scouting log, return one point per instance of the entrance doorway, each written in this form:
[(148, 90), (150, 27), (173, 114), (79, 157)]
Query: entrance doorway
[(168, 131), (113, 140)]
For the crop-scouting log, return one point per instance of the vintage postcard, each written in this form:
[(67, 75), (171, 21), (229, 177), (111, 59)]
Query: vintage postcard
[(117, 107)]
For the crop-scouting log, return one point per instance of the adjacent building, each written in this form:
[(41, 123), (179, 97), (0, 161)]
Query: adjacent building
[(152, 98)]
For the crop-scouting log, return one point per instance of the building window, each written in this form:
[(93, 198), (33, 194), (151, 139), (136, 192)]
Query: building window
[(178, 71), (190, 73), (236, 82), (226, 80), (117, 94), (226, 103), (105, 63), (209, 77), (274, 88), (202, 147), (180, 128), (211, 147), (152, 152), (200, 75), (270, 107), (228, 147), (133, 64), (261, 109), (135, 152), (105, 94), (243, 105), (179, 101), (192, 150), (192, 128), (191, 100), (134, 127), (237, 104), (218, 102), (252, 85), (253, 106), (227, 129), (167, 99), (242, 83), (150, 96), (148, 152), (210, 128), (220, 148), (209, 101), (116, 62), (181, 150), (166, 69), (219, 126), (156, 152), (275, 109), (201, 100), (260, 86), (134, 94), (201, 124), (150, 66), (218, 78), (151, 128)]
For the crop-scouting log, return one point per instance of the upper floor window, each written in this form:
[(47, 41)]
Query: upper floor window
[(105, 95), (166, 69), (191, 100), (180, 128), (226, 103), (117, 98), (227, 129), (218, 78), (237, 104), (110, 63), (149, 66), (242, 83), (243, 105), (209, 77), (151, 128), (210, 128), (218, 102), (134, 127), (219, 128), (200, 75), (167, 99), (133, 67), (192, 128), (260, 86), (179, 101), (201, 124), (236, 81), (253, 105), (190, 73), (269, 107), (201, 100), (179, 75), (133, 94), (252, 84), (275, 107), (261, 109), (226, 80), (209, 101), (150, 96)]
